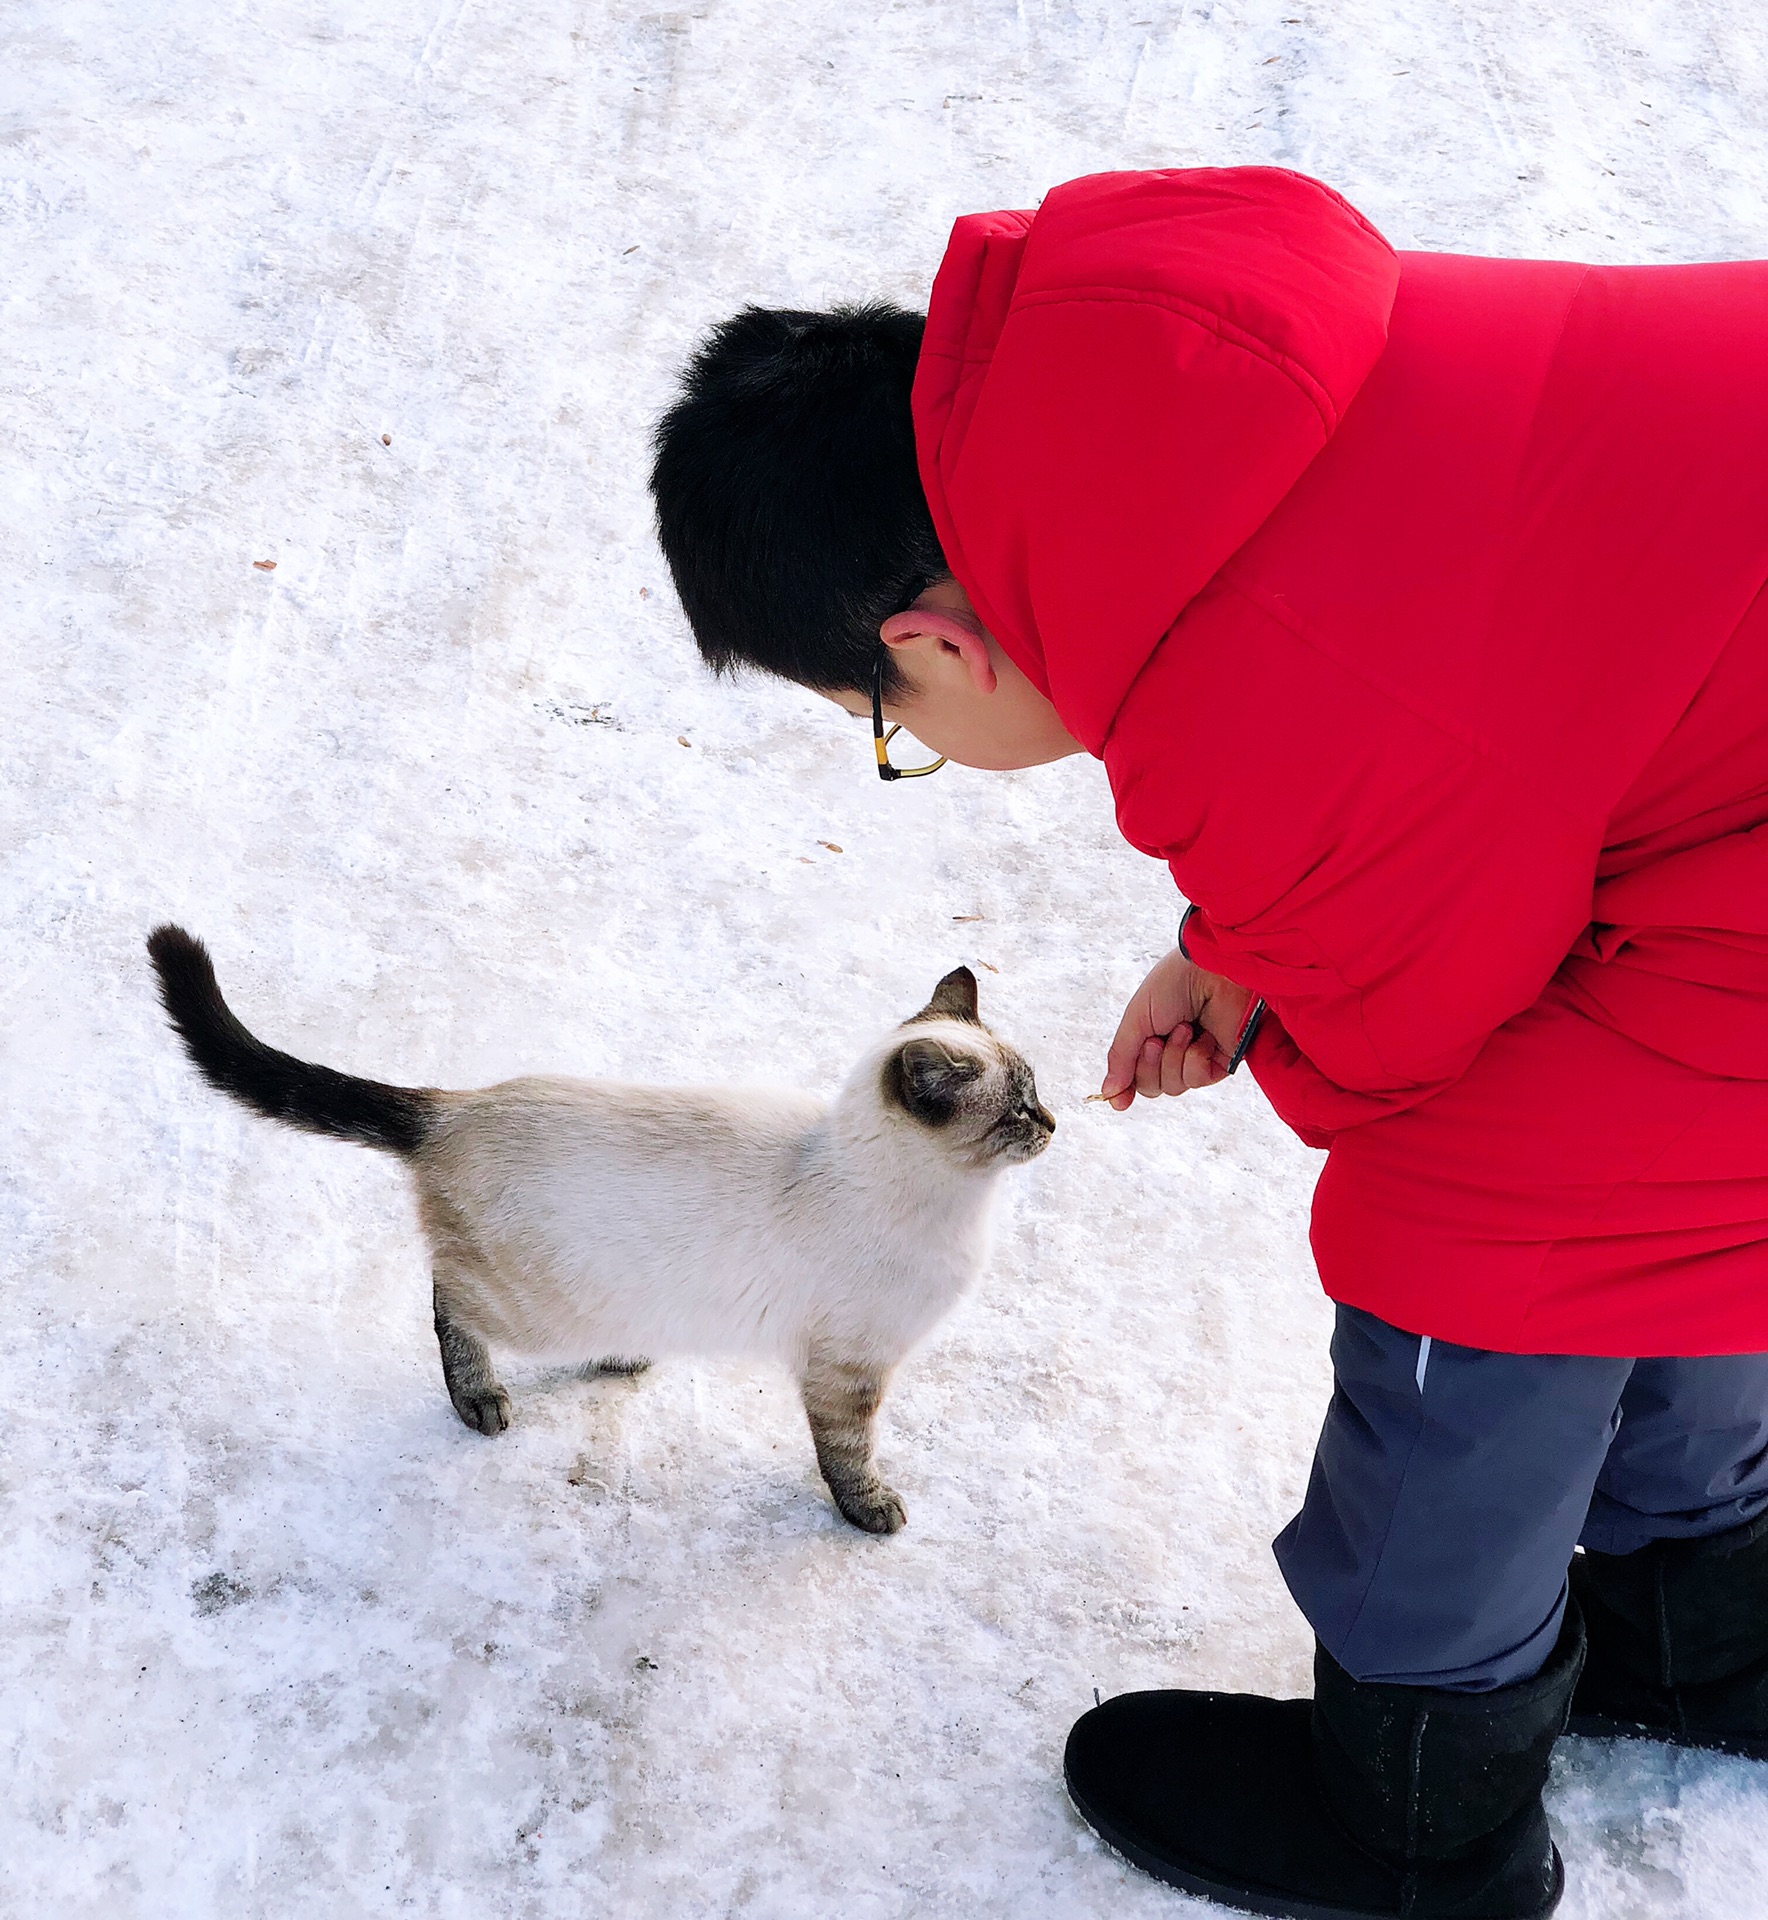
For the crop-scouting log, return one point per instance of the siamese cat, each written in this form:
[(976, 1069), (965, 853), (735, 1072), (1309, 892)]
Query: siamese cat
[(591, 1221)]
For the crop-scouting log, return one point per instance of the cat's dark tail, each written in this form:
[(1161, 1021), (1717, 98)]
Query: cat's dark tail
[(396, 1119)]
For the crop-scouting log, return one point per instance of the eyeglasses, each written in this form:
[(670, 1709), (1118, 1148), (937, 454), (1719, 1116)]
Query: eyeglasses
[(881, 740)]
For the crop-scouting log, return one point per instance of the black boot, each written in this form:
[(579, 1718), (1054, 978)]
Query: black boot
[(1368, 1802), (1678, 1641)]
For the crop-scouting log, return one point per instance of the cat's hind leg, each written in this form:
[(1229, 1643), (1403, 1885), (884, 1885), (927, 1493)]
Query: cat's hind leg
[(841, 1400), (457, 1273), (473, 1385)]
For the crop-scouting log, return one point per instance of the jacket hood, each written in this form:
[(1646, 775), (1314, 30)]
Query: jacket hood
[(1115, 391)]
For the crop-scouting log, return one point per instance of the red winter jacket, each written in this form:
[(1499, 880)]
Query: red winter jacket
[(1415, 606)]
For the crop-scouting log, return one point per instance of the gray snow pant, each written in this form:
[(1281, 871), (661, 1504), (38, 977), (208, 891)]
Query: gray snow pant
[(1450, 1486)]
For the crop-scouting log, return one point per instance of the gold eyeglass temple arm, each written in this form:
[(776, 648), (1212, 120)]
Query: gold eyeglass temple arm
[(904, 773)]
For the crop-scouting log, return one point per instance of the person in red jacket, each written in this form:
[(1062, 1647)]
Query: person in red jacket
[(1416, 606)]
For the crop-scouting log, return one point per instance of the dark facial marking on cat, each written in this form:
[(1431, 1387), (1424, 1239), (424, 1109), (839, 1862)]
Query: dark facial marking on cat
[(927, 1080), (1026, 1087), (1024, 1125), (953, 999)]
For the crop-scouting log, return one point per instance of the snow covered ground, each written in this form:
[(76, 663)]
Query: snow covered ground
[(388, 292)]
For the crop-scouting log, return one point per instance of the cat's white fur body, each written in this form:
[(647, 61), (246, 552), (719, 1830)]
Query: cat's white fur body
[(591, 1221), (636, 1220)]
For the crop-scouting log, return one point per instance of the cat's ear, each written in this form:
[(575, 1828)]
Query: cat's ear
[(953, 999), (927, 1080)]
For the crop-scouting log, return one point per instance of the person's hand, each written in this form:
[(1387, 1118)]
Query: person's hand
[(1178, 1032)]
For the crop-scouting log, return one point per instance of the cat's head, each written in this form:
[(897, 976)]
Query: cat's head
[(948, 1075)]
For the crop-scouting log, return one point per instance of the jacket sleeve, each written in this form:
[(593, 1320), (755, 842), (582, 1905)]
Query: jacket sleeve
[(1393, 890)]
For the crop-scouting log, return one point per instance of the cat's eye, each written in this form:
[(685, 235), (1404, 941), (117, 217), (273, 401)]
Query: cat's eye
[(881, 740)]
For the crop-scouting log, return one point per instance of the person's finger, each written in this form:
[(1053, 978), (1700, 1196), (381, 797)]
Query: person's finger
[(1148, 1067), (1203, 1064), (1172, 1062)]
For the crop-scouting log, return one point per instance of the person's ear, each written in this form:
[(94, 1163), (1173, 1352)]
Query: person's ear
[(934, 630)]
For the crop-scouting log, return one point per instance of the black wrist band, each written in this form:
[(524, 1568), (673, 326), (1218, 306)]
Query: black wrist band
[(1248, 1034)]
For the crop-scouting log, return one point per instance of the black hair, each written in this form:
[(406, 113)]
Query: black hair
[(788, 500)]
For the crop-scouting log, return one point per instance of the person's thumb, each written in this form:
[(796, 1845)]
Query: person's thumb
[(1120, 1060)]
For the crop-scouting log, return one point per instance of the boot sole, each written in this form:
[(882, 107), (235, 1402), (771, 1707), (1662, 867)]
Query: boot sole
[(1594, 1726), (1273, 1906)]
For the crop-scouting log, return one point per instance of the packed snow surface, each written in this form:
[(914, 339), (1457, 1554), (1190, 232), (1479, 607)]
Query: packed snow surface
[(388, 293)]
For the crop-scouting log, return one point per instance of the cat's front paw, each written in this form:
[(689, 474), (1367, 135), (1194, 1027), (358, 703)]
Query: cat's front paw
[(875, 1509), (485, 1410)]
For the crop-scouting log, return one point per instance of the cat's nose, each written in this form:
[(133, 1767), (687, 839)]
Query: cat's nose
[(1046, 1117)]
